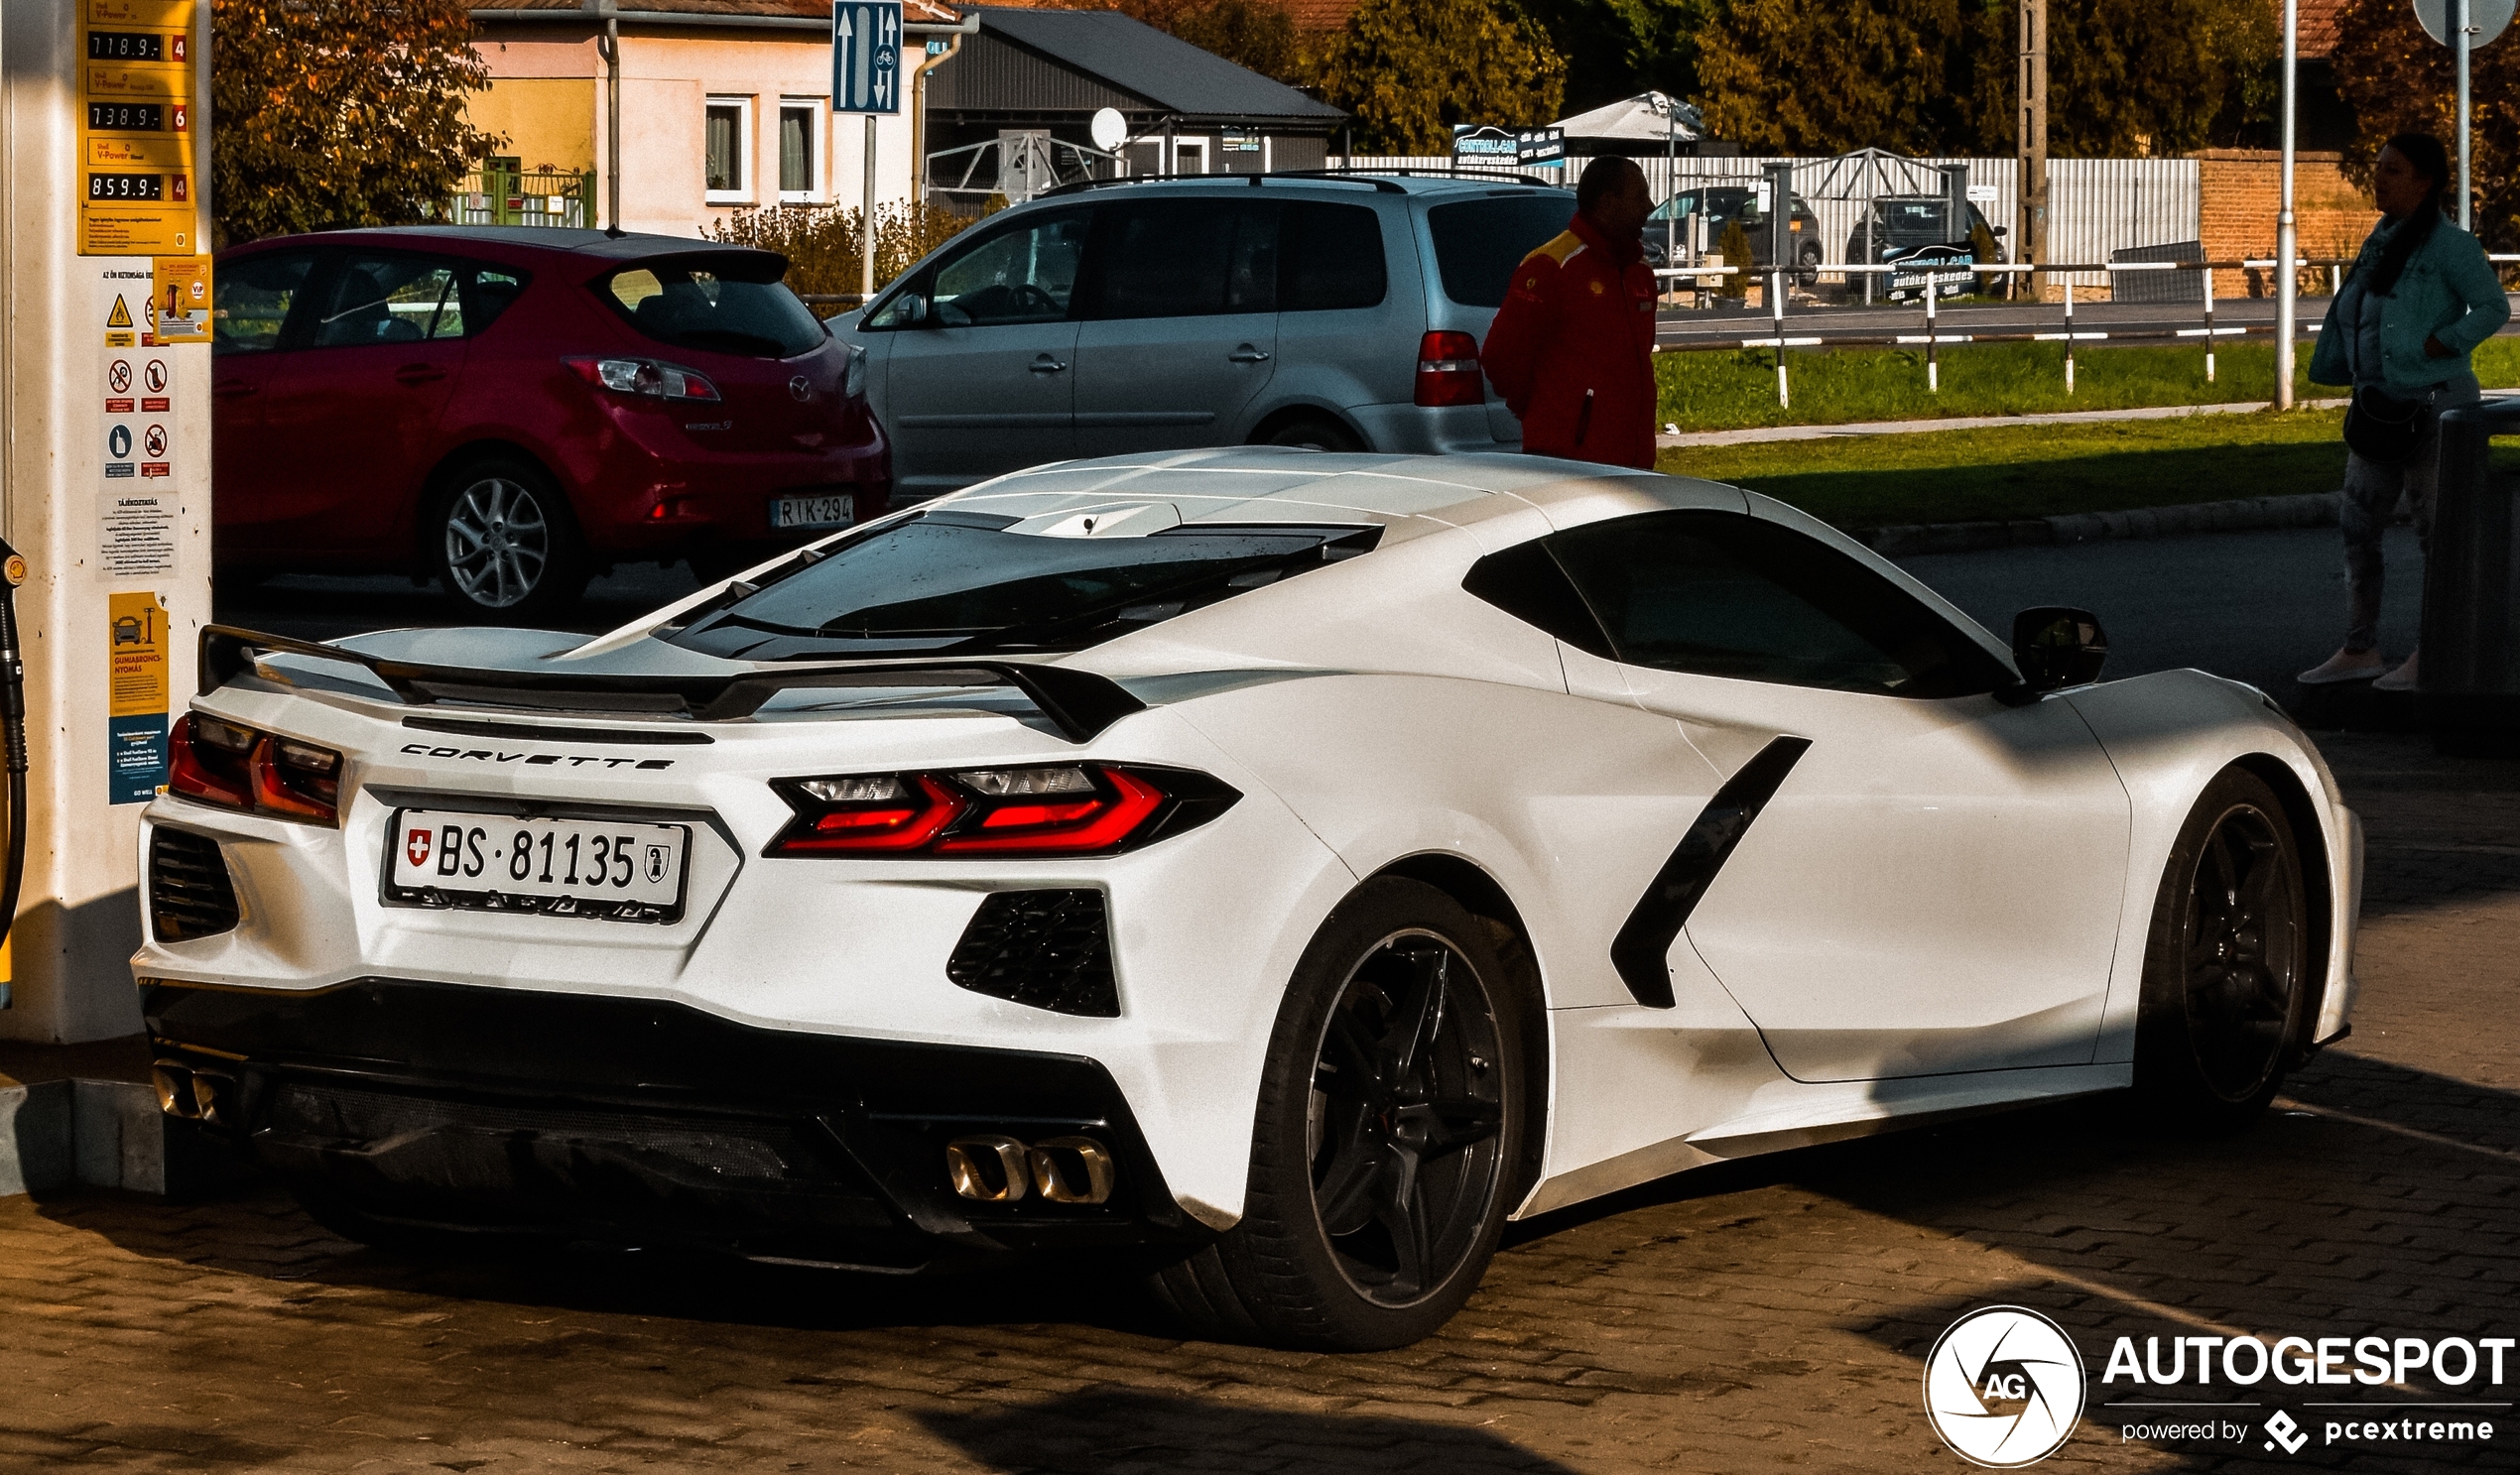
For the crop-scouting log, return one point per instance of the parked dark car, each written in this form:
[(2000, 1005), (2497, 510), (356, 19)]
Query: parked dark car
[(1916, 231), (511, 410), (1667, 226)]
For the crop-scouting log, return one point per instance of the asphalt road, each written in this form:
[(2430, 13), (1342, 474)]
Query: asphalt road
[(2258, 607), (1684, 327)]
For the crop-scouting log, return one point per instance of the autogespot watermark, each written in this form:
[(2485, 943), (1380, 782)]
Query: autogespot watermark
[(2006, 1387)]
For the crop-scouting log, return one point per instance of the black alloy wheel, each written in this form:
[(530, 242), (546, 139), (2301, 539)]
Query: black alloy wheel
[(1404, 1126), (2228, 974), (1397, 1126)]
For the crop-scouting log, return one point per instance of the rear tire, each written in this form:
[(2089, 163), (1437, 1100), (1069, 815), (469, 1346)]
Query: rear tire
[(502, 542), (1396, 1120), (1316, 433), (2228, 967)]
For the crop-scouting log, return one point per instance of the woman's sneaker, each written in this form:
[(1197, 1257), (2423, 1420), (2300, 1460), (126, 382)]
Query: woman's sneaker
[(2345, 665)]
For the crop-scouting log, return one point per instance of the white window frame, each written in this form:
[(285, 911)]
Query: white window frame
[(747, 146), (1207, 148), (818, 146)]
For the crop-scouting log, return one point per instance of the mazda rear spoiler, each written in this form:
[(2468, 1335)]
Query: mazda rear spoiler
[(1080, 703)]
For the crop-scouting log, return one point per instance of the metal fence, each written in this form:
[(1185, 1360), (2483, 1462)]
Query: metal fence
[(2097, 209), (492, 195)]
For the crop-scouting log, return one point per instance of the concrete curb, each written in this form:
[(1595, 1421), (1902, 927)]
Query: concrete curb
[(104, 1134), (2307, 510)]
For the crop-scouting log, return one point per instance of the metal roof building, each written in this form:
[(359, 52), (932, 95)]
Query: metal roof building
[(1032, 78)]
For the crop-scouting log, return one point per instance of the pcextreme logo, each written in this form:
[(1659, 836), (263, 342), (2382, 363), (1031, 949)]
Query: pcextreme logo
[(2004, 1386)]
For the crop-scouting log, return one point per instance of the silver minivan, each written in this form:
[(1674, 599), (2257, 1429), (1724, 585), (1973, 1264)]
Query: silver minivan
[(1330, 309)]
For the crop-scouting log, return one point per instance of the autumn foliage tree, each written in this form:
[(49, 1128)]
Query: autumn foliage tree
[(2400, 80), (339, 112), (2125, 77), (1409, 69)]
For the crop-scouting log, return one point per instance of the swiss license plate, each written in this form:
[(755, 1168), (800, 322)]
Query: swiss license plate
[(836, 510), (611, 869)]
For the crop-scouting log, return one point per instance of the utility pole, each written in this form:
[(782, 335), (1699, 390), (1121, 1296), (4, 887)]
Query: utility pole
[(2030, 232)]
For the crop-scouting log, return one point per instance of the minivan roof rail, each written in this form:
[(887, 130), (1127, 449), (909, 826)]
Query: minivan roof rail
[(1353, 176)]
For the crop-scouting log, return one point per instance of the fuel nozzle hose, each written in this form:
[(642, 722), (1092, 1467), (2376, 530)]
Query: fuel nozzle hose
[(12, 729)]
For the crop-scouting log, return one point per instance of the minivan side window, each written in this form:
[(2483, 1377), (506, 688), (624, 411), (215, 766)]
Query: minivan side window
[(255, 296), (1027, 274), (1726, 595), (1186, 257), (1330, 258)]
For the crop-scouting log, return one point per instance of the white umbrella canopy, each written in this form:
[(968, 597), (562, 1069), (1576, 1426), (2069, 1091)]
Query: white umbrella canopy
[(1648, 118)]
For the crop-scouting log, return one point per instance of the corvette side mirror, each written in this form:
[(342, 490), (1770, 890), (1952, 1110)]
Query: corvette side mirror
[(2056, 646)]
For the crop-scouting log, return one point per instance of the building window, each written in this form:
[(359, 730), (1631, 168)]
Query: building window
[(800, 130), (729, 141)]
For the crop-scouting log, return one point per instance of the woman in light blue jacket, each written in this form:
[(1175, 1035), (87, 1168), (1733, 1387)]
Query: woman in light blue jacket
[(2420, 298)]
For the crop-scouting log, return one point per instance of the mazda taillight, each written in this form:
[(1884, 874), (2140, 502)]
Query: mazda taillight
[(645, 378), (218, 762), (1084, 808), (1449, 371)]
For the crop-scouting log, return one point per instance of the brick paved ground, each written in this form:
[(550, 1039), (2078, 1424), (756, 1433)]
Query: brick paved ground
[(1766, 1317)]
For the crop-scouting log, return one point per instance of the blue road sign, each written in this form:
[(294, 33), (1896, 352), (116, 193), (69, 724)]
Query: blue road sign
[(866, 56)]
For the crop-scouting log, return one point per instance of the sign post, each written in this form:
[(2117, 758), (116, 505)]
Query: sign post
[(866, 80), (2464, 26)]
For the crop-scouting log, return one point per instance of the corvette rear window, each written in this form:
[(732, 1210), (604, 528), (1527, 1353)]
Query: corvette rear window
[(957, 582), (721, 304)]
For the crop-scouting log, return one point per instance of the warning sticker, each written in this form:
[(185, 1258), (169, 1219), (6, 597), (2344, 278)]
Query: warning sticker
[(118, 330), (135, 531), (136, 698)]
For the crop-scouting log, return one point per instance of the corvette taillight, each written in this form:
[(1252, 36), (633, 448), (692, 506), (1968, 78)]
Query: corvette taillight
[(223, 763), (1084, 808)]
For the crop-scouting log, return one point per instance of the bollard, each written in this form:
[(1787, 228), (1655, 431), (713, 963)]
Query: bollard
[(2209, 284), (1776, 312), (1932, 370), (2068, 337)]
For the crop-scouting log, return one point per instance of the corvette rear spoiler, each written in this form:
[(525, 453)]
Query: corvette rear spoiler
[(1080, 703)]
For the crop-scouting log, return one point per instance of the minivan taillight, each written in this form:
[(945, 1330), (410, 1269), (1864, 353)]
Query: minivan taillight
[(645, 378), (1449, 371), (1081, 808), (218, 762)]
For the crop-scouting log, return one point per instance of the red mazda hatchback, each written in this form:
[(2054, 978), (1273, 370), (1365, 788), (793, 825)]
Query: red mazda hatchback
[(510, 410)]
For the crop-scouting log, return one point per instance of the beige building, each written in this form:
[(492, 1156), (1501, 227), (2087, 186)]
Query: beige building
[(723, 105)]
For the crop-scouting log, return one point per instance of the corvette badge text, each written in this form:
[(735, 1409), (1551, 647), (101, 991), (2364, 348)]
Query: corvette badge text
[(2005, 1386), (573, 760)]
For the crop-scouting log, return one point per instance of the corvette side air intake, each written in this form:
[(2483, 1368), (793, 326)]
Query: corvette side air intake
[(1080, 703)]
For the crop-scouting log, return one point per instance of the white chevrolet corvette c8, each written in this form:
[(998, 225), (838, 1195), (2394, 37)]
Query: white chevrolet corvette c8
[(1273, 869)]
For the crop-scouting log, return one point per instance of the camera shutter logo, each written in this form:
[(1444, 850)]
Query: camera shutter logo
[(2004, 1386)]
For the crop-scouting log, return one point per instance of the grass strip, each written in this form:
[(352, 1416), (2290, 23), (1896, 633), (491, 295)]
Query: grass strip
[(1722, 391), (2022, 471)]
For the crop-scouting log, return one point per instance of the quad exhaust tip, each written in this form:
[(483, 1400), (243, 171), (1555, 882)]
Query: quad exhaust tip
[(991, 1168), (194, 1095)]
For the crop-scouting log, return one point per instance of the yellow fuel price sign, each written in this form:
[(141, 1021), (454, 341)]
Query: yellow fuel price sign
[(137, 164)]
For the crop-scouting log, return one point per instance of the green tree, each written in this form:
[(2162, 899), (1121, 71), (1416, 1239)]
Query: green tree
[(1616, 48), (339, 112), (2125, 77), (1409, 69), (2397, 80), (1248, 33)]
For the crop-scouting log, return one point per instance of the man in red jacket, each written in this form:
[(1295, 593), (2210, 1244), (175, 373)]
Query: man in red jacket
[(1572, 348)]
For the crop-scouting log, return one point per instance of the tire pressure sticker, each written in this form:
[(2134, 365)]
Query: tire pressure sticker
[(135, 697)]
